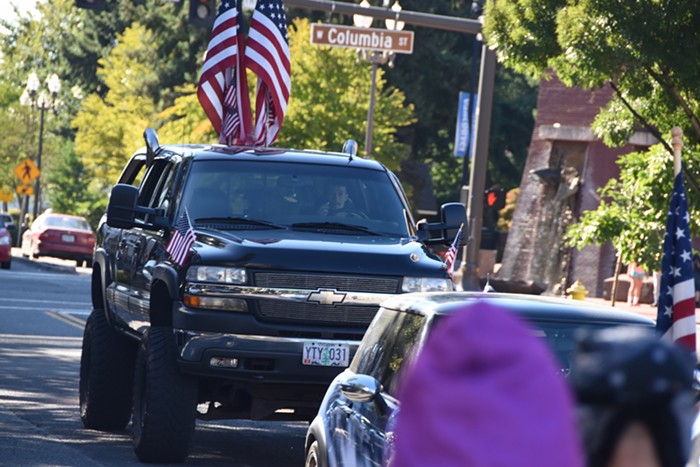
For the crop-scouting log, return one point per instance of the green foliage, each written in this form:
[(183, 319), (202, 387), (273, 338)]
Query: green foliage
[(67, 185), (629, 214), (330, 98), (111, 128), (647, 50)]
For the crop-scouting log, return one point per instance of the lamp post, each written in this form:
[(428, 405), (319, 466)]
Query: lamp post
[(39, 99), (376, 58)]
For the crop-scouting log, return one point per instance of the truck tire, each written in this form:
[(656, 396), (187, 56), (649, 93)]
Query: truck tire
[(165, 400), (106, 375)]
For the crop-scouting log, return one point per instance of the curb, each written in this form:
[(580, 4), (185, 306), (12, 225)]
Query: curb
[(17, 257)]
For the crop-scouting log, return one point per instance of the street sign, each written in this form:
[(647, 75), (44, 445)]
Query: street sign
[(27, 171), (400, 42), (6, 196), (25, 190)]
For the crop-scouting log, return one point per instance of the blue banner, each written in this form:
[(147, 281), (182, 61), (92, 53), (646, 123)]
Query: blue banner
[(464, 131)]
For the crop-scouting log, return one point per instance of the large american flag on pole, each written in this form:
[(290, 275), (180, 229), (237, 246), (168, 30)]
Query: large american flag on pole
[(267, 55), (223, 87), (676, 310), (183, 238), (451, 254)]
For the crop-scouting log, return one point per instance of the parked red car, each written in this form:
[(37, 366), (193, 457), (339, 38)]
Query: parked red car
[(5, 246), (60, 236)]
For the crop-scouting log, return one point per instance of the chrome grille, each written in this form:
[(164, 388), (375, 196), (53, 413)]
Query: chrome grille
[(310, 312), (315, 281)]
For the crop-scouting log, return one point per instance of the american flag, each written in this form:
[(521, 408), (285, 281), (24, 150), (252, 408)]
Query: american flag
[(223, 87), (451, 254), (267, 55), (676, 312), (182, 239)]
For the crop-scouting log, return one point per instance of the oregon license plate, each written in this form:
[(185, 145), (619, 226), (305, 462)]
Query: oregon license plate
[(68, 238), (326, 354)]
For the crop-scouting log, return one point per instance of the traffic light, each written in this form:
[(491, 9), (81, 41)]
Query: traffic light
[(98, 5), (495, 198), (494, 201), (202, 13)]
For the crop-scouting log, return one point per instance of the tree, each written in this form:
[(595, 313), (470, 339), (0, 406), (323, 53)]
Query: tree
[(330, 99), (654, 69), (67, 185), (629, 214), (111, 128)]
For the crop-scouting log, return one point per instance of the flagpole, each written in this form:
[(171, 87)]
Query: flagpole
[(677, 143)]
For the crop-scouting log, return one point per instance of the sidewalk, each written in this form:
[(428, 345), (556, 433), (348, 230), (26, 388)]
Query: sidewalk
[(644, 309)]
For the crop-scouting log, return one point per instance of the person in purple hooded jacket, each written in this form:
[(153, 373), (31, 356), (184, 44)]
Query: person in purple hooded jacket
[(486, 391)]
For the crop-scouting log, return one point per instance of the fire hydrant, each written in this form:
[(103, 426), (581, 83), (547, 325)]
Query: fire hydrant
[(577, 291)]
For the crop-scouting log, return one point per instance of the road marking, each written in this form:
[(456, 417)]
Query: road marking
[(68, 318), (29, 300)]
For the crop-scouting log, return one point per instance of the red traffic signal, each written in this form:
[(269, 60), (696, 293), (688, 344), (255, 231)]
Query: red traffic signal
[(495, 198)]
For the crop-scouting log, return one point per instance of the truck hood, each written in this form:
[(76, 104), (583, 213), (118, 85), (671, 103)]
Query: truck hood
[(318, 252)]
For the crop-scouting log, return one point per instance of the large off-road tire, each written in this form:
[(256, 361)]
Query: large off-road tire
[(106, 375), (165, 400)]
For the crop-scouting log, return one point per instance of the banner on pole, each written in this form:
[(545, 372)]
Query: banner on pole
[(464, 132)]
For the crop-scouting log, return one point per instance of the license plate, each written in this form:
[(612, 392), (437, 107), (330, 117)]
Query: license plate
[(326, 354), (68, 238)]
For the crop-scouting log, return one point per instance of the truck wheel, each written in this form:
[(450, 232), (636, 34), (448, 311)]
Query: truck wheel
[(106, 375), (165, 400)]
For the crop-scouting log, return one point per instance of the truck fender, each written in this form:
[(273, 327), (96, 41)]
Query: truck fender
[(164, 292)]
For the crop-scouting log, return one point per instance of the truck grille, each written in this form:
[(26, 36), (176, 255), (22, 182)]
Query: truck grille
[(315, 281), (316, 313)]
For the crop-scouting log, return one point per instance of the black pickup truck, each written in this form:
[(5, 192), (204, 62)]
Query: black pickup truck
[(268, 304)]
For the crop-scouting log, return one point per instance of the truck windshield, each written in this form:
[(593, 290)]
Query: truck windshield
[(294, 195)]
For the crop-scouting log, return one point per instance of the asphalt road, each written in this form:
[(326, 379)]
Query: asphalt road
[(43, 308)]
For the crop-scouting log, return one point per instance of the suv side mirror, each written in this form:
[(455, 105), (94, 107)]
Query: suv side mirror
[(452, 215), (121, 210)]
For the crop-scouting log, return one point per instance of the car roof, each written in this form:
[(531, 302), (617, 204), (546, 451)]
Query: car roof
[(307, 156), (531, 307)]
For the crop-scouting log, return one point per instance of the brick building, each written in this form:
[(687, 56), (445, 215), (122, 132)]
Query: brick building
[(566, 165)]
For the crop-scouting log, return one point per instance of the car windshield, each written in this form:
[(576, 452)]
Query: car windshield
[(67, 223), (339, 200)]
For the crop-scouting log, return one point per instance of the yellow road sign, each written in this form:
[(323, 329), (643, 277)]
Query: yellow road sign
[(25, 190), (6, 196), (27, 171)]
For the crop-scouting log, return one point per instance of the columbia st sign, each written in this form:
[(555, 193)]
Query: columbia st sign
[(362, 38)]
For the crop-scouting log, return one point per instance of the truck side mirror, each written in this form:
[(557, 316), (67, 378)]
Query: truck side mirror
[(121, 210), (452, 216)]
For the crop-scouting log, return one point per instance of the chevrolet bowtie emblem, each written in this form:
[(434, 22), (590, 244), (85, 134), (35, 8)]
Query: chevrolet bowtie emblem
[(326, 297)]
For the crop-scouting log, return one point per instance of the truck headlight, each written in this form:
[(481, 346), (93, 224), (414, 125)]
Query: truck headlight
[(426, 284), (216, 274), (4, 240)]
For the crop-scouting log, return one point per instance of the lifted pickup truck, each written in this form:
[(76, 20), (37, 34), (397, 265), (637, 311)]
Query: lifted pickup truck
[(271, 300)]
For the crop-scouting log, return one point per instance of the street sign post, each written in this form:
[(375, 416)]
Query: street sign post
[(400, 42), (27, 171)]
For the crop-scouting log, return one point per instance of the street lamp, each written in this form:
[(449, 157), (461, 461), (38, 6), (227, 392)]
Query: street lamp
[(39, 99), (376, 58)]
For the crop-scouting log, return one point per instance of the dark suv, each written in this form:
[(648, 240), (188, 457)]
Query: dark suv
[(272, 299)]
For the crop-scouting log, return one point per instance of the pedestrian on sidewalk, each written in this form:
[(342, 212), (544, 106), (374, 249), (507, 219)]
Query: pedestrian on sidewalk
[(636, 274)]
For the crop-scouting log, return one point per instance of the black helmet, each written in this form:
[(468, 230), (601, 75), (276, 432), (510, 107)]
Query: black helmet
[(626, 374)]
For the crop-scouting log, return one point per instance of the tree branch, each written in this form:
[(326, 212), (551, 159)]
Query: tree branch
[(657, 134), (665, 81), (645, 123)]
